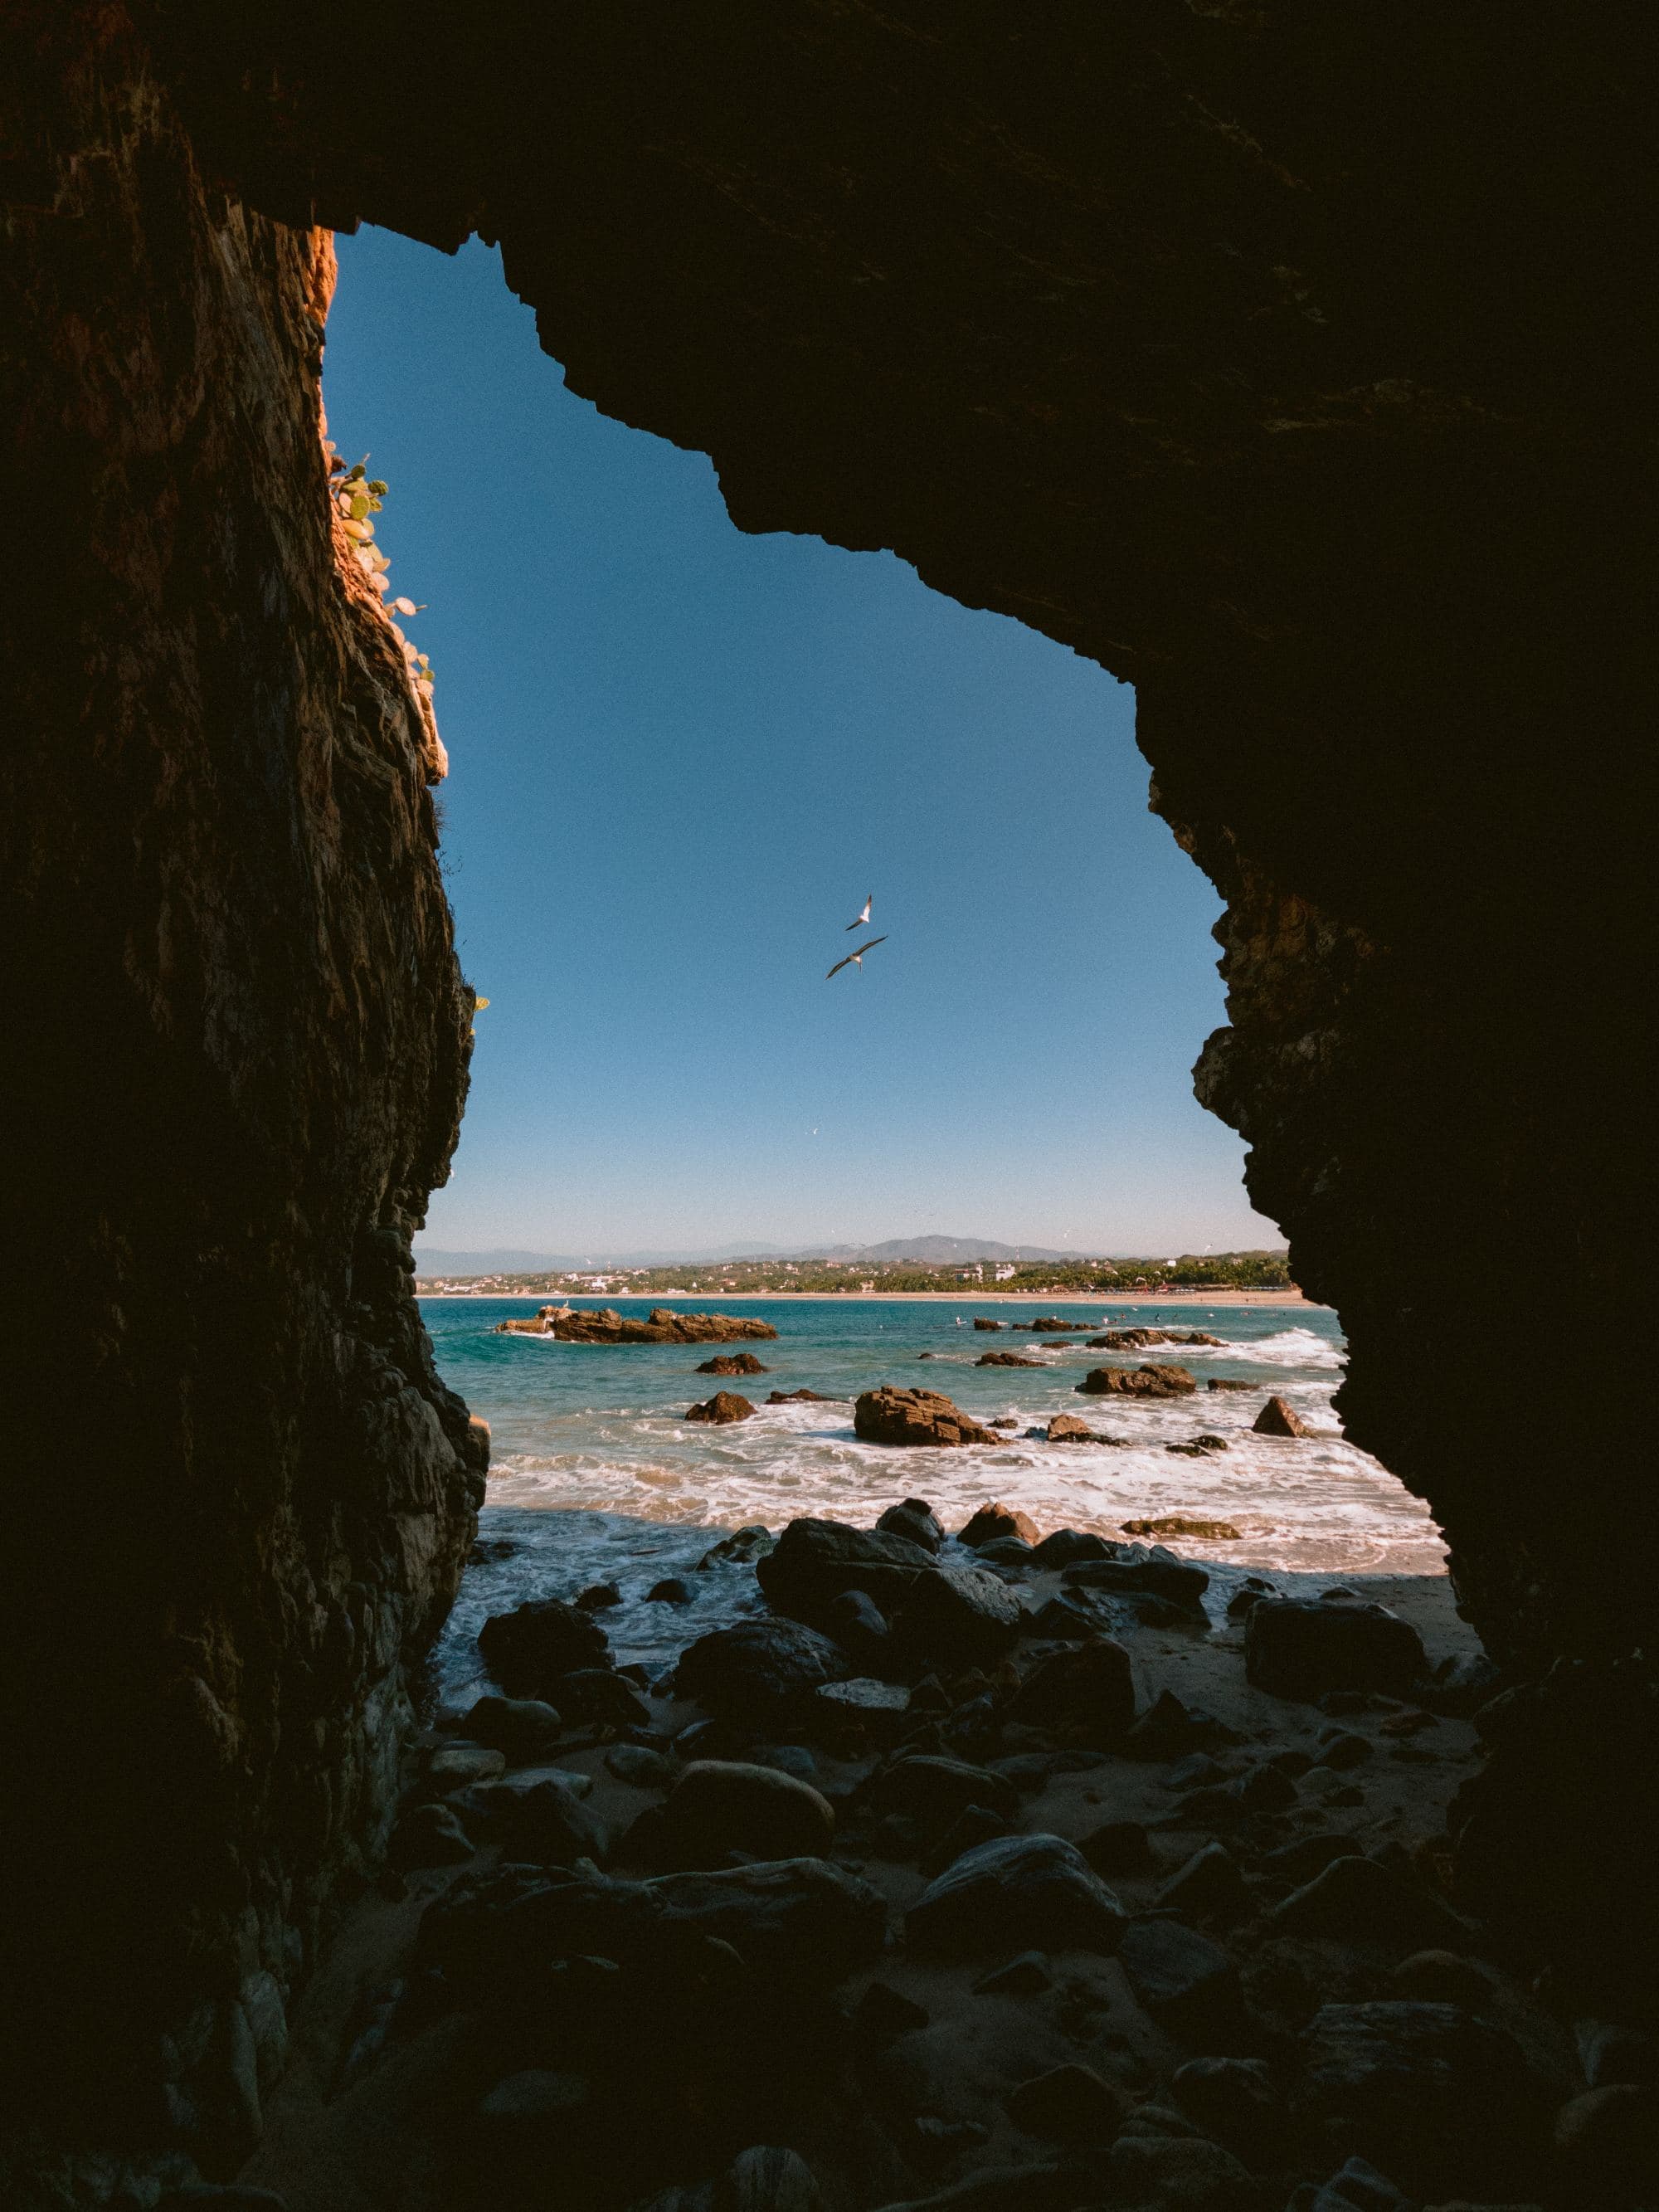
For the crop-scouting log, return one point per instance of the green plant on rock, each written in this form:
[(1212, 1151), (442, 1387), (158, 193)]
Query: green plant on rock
[(357, 497)]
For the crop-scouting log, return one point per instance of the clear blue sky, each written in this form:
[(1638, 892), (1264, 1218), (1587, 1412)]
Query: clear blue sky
[(680, 757)]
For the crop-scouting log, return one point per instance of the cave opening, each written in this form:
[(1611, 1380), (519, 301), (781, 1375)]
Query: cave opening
[(1350, 497)]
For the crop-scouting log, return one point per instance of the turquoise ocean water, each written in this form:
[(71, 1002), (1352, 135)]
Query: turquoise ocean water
[(598, 1477)]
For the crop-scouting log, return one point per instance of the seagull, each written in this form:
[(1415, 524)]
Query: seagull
[(856, 959), (864, 917)]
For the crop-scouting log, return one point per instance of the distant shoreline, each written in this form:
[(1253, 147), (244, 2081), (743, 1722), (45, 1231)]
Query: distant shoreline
[(1293, 1300)]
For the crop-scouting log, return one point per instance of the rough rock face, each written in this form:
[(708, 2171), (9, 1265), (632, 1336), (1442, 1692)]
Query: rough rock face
[(242, 1052), (892, 1416)]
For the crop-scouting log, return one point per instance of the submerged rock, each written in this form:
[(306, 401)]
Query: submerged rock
[(796, 1397), (1067, 1429), (736, 1362), (1278, 1417), (1005, 1360), (1184, 1524), (892, 1416), (726, 1406)]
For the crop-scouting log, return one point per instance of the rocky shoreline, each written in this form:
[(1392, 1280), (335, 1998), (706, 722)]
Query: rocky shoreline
[(982, 1871), (584, 1325)]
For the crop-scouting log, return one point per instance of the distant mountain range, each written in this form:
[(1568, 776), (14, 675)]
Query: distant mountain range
[(929, 1251)]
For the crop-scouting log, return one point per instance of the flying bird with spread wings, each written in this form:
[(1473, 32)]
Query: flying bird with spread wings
[(856, 959), (864, 917)]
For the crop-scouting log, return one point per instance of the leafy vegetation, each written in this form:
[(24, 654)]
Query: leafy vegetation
[(357, 499), (1232, 1271)]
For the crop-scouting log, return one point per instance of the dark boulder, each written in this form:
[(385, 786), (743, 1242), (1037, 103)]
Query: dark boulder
[(1188, 1983), (753, 1674), (1444, 2103), (798, 1398), (892, 1416), (530, 1650), (719, 1807), (1179, 2174), (538, 1819), (1135, 1573), (1278, 1417), (1014, 1892), (1068, 2103), (800, 1920), (1210, 1885), (1302, 1647), (1606, 2148), (1065, 1548), (724, 1407), (1234, 2100), (732, 1363), (814, 1561), (994, 1521), (1085, 1694), (859, 1626), (959, 1616), (429, 1835), (1359, 1901), (1136, 1383), (1005, 1360), (673, 1589), (599, 1695), (915, 1518), (980, 1323), (934, 1792), (1118, 1847), (524, 1729), (768, 2178)]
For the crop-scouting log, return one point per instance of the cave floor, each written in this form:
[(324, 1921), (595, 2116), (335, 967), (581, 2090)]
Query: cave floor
[(370, 2136)]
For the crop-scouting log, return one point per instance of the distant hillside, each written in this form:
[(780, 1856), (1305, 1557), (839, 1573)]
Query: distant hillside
[(932, 1251), (938, 1251)]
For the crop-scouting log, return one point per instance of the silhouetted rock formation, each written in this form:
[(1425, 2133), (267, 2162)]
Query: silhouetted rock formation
[(245, 1060)]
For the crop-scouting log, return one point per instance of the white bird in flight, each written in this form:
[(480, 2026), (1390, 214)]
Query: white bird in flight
[(856, 959), (864, 916)]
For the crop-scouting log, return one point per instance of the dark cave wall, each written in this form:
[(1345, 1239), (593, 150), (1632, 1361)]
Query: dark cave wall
[(239, 1038)]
